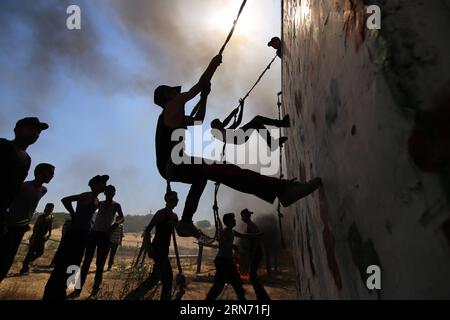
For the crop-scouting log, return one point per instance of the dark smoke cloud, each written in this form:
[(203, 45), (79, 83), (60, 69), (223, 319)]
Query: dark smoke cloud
[(50, 47), (173, 39)]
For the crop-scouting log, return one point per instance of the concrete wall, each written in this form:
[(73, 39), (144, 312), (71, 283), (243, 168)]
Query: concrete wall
[(371, 117)]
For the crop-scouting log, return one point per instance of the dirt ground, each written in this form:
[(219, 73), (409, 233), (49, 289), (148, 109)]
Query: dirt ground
[(123, 277)]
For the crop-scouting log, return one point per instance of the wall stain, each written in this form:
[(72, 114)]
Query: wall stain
[(310, 251), (328, 240), (333, 102), (355, 21)]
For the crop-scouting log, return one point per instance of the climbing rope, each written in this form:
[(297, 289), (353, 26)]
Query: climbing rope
[(180, 279), (234, 26), (280, 215), (242, 100), (217, 222)]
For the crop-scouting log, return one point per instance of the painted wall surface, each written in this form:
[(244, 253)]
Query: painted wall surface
[(371, 116)]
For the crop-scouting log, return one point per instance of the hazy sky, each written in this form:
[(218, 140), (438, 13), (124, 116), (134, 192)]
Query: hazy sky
[(95, 86)]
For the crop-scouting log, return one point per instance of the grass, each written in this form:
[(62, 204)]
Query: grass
[(123, 277)]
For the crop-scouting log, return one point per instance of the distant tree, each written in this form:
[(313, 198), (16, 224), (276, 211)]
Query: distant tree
[(204, 224)]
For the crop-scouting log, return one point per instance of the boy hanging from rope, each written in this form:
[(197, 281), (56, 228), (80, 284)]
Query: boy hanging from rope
[(197, 171), (163, 222), (227, 135)]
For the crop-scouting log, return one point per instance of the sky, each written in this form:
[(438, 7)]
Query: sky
[(94, 86)]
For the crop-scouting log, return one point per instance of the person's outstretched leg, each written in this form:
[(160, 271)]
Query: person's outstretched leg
[(234, 279), (186, 227), (243, 180), (264, 187), (260, 122)]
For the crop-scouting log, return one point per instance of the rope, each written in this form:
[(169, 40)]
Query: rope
[(280, 215), (217, 222), (234, 26), (242, 100), (180, 279)]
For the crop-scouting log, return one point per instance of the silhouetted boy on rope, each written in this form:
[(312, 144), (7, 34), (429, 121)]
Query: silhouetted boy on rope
[(196, 171), (163, 221), (226, 269), (227, 135)]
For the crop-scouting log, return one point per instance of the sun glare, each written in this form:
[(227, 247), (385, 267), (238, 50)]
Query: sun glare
[(222, 20)]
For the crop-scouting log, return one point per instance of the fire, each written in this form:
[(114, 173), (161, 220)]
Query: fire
[(244, 275)]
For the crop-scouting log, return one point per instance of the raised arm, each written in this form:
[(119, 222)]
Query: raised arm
[(174, 113), (247, 235), (151, 225), (227, 120), (67, 203), (239, 118), (121, 218)]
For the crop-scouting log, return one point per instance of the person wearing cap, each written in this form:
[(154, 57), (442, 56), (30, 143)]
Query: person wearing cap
[(275, 43), (258, 124), (71, 249), (99, 239), (15, 162), (20, 213), (42, 231), (255, 253), (163, 221), (197, 171)]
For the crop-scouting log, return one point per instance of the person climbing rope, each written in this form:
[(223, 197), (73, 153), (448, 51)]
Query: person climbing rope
[(197, 171), (231, 134), (226, 269), (163, 222), (276, 43)]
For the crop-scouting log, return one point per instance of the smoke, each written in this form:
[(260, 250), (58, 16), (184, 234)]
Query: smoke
[(168, 41), (177, 35), (36, 35)]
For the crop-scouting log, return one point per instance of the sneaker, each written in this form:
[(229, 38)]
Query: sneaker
[(187, 229), (286, 121), (275, 144), (282, 140), (294, 191)]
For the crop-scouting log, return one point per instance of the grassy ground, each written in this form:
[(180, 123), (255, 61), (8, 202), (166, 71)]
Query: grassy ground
[(123, 278)]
